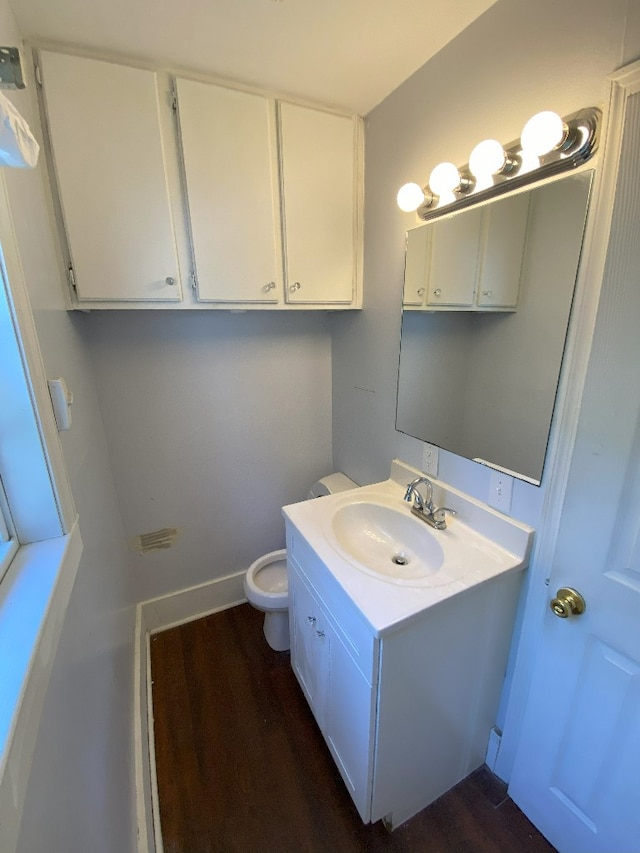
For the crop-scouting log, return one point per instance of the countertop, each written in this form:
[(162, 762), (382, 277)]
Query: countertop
[(479, 544)]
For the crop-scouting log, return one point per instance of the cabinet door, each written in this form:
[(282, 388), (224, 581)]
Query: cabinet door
[(308, 646), (505, 228), (319, 201), (349, 722), (104, 128), (230, 165), (416, 264), (453, 272)]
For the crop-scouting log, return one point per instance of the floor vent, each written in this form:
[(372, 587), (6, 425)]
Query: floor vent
[(157, 540)]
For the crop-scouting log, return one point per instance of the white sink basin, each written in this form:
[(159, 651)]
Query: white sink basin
[(387, 542), (356, 535)]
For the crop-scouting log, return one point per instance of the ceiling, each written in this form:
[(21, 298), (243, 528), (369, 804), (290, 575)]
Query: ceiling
[(346, 53)]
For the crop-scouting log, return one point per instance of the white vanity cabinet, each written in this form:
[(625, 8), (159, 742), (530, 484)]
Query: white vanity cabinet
[(405, 711), (338, 692), (471, 261), (109, 163)]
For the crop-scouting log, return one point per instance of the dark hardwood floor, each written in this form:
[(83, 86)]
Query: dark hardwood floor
[(243, 768)]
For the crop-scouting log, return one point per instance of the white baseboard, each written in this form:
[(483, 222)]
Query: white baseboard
[(153, 616), (493, 748)]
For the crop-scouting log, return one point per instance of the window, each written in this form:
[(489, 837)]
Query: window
[(40, 545), (8, 542)]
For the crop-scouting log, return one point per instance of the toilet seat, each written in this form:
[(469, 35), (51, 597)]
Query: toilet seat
[(265, 583)]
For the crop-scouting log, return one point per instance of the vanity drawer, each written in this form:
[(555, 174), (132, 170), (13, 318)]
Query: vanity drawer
[(345, 617)]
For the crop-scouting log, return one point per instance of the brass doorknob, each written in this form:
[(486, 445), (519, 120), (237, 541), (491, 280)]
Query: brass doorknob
[(568, 602)]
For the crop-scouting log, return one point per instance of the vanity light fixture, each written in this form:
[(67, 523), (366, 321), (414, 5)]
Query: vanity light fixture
[(489, 158), (410, 197), (446, 179), (543, 133), (548, 145)]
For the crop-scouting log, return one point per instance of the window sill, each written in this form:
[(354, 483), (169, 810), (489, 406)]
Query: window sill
[(34, 595)]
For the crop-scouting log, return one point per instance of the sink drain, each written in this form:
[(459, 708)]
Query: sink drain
[(400, 560)]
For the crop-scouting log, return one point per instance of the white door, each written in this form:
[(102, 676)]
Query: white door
[(104, 124), (230, 164), (318, 152), (308, 649), (577, 769), (350, 712)]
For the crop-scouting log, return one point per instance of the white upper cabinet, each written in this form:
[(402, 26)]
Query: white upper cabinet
[(259, 202), (229, 149), (319, 195), (107, 151), (243, 173)]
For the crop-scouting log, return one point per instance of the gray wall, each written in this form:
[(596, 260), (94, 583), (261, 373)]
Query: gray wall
[(80, 794), (517, 59), (214, 422)]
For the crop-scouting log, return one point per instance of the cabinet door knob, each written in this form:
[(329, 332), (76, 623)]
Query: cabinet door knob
[(170, 281), (269, 286), (320, 634), (437, 292), (487, 292), (295, 286), (311, 620), (420, 291)]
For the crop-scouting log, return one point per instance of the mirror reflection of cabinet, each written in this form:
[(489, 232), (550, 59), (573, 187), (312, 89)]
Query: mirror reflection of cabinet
[(482, 383), (417, 260), (469, 262), (453, 271)]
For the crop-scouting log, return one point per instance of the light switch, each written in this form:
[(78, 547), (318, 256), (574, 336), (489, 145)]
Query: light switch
[(61, 399)]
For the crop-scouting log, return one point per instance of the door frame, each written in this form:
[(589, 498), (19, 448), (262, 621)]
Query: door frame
[(623, 83)]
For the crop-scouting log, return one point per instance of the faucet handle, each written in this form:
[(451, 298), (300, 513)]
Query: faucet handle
[(439, 514)]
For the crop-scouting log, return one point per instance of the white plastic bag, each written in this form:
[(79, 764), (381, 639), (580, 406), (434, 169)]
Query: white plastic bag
[(18, 147)]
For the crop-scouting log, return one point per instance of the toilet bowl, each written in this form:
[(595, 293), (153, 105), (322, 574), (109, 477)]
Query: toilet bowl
[(266, 588), (265, 583)]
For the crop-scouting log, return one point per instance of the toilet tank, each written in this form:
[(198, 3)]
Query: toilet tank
[(330, 485)]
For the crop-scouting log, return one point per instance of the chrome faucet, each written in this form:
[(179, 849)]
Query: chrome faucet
[(418, 500), (424, 508)]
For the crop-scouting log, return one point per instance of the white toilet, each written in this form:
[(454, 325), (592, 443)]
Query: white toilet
[(265, 583)]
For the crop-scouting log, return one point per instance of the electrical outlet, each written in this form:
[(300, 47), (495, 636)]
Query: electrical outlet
[(500, 490), (430, 459)]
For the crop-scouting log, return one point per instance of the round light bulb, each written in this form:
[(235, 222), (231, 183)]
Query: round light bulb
[(444, 178), (542, 133), (487, 158), (410, 197)]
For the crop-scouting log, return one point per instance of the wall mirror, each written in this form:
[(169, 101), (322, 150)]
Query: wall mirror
[(486, 308)]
